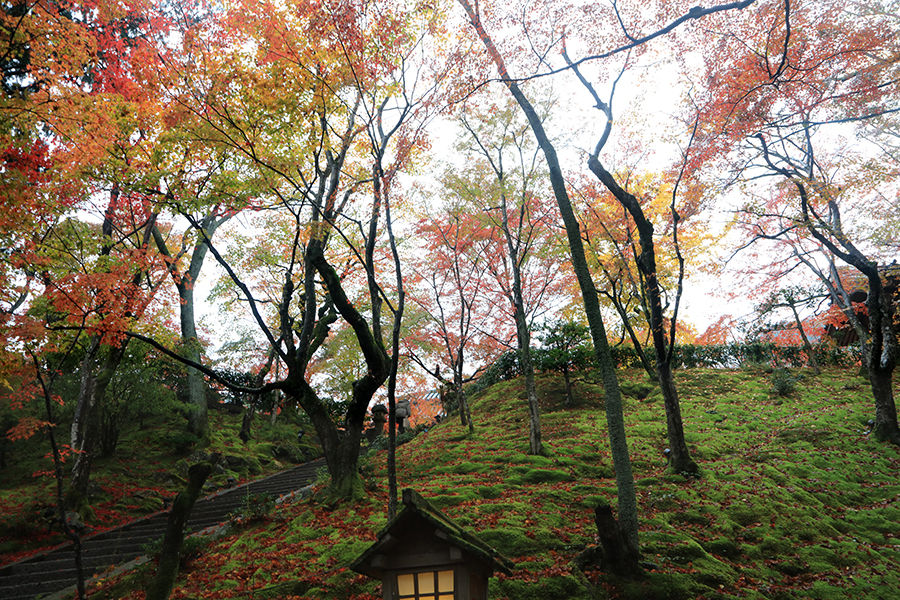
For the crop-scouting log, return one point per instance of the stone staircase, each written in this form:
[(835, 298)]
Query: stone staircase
[(52, 572)]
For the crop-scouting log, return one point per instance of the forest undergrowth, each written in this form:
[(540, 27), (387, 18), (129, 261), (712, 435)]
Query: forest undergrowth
[(795, 500), (148, 467)]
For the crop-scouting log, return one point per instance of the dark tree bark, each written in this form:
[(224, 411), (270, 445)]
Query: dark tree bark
[(184, 283), (612, 542), (879, 341), (615, 293), (807, 345), (170, 555), (680, 459), (97, 369), (627, 499), (46, 388), (342, 454)]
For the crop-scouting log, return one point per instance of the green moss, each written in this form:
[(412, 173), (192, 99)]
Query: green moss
[(691, 517), (253, 466), (647, 482), (745, 515), (525, 475), (819, 558), (662, 586), (345, 551), (873, 524), (847, 554), (638, 390), (547, 588), (774, 546), (539, 461), (489, 492), (822, 590), (776, 508), (509, 542), (511, 457), (722, 547), (462, 496), (505, 508), (791, 565), (584, 471), (282, 590), (464, 468)]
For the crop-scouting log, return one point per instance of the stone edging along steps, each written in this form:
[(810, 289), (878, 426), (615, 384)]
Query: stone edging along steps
[(53, 572)]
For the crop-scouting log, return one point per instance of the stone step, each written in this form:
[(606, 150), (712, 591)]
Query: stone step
[(53, 571)]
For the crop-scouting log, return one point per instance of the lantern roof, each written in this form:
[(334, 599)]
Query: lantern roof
[(418, 515)]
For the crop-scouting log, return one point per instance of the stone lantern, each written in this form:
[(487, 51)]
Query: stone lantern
[(422, 555), (379, 418)]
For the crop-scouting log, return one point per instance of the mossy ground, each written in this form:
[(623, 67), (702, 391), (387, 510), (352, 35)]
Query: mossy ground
[(127, 485), (795, 499)]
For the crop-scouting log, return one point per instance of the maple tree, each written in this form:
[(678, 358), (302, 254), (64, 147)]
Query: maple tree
[(796, 298), (449, 286), (83, 282), (529, 274), (565, 350), (797, 79), (201, 187), (327, 72), (624, 534), (681, 245), (663, 342), (185, 281)]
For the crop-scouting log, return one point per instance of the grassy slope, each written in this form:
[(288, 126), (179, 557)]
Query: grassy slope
[(796, 500), (125, 484)]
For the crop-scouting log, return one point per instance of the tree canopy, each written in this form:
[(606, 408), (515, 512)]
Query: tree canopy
[(388, 195)]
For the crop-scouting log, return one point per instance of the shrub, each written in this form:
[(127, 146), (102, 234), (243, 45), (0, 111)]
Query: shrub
[(784, 382), (191, 547), (181, 442), (255, 507)]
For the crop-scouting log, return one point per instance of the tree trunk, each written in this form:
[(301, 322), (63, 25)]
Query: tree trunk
[(346, 484), (247, 423), (626, 322), (184, 283), (679, 458), (94, 382), (276, 403), (465, 417), (883, 356), (343, 454), (535, 446), (615, 419), (885, 428), (570, 398), (523, 335), (46, 387), (810, 351), (170, 555), (196, 386), (464, 408), (341, 463), (880, 346), (618, 556)]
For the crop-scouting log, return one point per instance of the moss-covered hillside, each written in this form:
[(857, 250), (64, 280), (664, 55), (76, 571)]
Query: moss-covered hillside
[(795, 501)]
